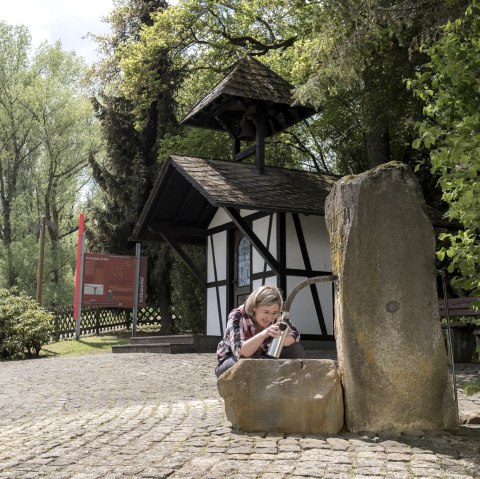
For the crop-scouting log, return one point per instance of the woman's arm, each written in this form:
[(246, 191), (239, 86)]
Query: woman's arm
[(250, 346)]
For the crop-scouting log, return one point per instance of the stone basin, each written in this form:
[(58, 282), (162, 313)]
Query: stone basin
[(284, 396)]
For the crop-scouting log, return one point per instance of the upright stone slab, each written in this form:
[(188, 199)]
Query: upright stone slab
[(391, 352), (283, 395)]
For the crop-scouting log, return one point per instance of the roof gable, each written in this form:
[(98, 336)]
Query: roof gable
[(189, 190), (250, 81)]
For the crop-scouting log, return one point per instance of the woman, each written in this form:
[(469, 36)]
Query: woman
[(252, 326)]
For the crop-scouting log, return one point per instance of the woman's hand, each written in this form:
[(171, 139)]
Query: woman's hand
[(272, 331), (250, 346)]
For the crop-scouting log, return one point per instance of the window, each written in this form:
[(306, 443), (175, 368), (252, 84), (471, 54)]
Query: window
[(243, 262)]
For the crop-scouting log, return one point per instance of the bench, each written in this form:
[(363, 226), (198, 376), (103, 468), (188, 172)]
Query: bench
[(462, 339), (459, 306)]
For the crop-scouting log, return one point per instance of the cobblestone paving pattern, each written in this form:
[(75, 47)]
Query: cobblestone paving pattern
[(153, 416)]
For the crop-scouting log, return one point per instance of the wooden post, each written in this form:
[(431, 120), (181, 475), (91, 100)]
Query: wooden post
[(260, 143), (97, 321), (136, 289)]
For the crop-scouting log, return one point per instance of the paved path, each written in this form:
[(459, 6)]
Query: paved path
[(159, 416)]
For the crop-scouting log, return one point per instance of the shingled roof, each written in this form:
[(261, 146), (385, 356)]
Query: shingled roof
[(250, 81), (189, 190)]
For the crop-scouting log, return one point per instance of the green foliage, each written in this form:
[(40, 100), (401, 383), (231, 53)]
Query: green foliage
[(24, 326), (449, 87), (47, 129), (348, 58), (196, 142), (352, 64), (135, 131), (472, 388), (188, 295), (202, 39)]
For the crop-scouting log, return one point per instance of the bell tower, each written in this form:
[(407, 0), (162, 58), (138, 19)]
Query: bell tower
[(251, 103)]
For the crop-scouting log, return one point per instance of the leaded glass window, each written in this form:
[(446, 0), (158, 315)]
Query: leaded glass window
[(243, 262)]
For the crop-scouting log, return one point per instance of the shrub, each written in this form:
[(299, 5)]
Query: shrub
[(472, 387), (188, 296), (24, 326)]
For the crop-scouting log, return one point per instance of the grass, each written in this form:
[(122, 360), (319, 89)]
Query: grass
[(85, 345)]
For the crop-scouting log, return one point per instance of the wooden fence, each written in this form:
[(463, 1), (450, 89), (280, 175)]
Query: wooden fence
[(97, 320)]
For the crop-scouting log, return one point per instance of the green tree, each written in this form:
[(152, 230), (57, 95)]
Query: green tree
[(353, 63), (47, 127), (134, 134), (18, 131), (69, 131), (203, 39), (449, 87)]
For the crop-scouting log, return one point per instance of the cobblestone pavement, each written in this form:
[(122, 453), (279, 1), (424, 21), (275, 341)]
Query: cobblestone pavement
[(160, 416)]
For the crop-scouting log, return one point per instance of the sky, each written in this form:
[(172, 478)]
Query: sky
[(65, 20)]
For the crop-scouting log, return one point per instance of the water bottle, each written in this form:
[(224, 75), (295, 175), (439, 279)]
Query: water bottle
[(276, 346)]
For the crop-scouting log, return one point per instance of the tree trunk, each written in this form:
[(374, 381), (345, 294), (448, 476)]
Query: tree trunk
[(378, 146), (7, 243)]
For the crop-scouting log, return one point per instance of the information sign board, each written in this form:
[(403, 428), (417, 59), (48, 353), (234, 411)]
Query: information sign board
[(109, 280)]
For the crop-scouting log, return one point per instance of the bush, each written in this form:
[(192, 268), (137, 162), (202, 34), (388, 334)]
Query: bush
[(472, 388), (188, 295), (24, 326)]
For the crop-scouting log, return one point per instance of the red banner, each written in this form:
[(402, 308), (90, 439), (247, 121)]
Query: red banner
[(109, 280), (81, 226)]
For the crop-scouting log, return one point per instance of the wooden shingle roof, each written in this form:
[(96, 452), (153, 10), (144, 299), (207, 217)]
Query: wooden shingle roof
[(249, 82), (189, 190)]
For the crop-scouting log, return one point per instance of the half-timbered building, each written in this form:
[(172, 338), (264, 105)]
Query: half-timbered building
[(260, 224)]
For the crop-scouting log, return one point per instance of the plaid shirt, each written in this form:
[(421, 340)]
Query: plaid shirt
[(240, 328)]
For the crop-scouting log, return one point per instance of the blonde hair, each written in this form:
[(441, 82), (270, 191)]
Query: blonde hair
[(263, 296)]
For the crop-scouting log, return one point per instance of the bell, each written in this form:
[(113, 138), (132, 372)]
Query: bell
[(248, 130)]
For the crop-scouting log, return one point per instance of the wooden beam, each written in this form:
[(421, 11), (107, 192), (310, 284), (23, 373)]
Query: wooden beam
[(282, 249), (236, 145), (184, 206), (186, 259), (245, 153), (260, 143), (243, 226), (161, 227), (218, 108), (223, 124), (217, 290), (308, 267)]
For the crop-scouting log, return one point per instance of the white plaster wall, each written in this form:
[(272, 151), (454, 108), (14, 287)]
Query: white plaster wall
[(302, 311), (220, 249), (317, 241), (272, 281), (219, 219), (213, 320), (260, 228), (247, 212)]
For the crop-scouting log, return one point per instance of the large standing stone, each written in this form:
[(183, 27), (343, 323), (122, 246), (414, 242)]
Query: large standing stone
[(391, 352), (283, 395)]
